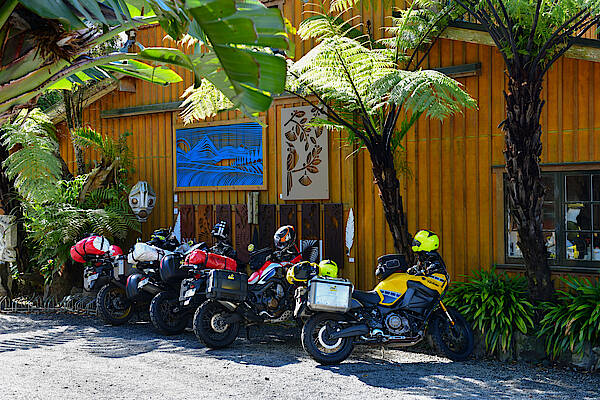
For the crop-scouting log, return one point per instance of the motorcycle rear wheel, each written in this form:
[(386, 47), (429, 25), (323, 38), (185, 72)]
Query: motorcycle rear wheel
[(209, 327), (322, 349), (164, 319), (110, 305), (453, 341)]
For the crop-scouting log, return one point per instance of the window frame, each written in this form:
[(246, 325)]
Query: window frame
[(560, 229)]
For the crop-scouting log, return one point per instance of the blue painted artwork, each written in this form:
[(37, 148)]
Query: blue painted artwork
[(225, 155)]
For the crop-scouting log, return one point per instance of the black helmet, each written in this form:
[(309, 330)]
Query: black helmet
[(285, 237), (220, 230)]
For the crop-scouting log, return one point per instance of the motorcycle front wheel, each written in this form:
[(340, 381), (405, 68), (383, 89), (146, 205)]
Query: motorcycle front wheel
[(317, 343), (210, 327), (111, 305), (166, 314), (454, 341)]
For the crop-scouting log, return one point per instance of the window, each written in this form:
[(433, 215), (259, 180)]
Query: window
[(570, 219)]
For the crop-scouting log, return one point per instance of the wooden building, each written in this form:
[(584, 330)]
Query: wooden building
[(456, 187)]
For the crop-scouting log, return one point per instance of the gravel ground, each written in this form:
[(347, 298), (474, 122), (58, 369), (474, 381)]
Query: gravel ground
[(71, 357)]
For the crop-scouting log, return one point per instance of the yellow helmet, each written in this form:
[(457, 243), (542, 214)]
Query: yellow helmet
[(425, 240), (300, 272), (328, 268)]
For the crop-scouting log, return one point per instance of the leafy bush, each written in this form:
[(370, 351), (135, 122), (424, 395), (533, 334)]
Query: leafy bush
[(60, 212), (573, 320), (496, 305)]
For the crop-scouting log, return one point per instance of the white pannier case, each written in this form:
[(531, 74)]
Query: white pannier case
[(143, 252), (327, 294)]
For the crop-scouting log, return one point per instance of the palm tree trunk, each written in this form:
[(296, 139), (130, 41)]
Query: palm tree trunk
[(384, 173), (525, 190)]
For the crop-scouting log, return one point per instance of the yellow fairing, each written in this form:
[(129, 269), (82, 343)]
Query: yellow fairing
[(394, 286)]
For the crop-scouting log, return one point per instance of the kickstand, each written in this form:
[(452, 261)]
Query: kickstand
[(383, 353), (247, 332)]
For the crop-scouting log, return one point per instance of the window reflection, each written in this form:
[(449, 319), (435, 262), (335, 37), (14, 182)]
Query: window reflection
[(579, 246), (578, 187)]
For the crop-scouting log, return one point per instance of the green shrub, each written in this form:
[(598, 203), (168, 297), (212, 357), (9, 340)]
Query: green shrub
[(58, 212), (496, 305), (573, 320)]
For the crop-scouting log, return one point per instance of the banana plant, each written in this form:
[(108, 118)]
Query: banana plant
[(45, 45)]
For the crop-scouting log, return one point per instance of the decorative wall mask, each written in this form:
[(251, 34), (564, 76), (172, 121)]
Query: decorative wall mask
[(142, 200)]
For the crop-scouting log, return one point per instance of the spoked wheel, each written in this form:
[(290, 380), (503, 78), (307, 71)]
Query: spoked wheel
[(166, 314), (319, 345), (211, 328), (453, 341), (111, 305)]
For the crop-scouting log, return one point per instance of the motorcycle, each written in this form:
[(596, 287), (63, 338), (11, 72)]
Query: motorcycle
[(106, 269), (402, 310), (184, 283), (233, 298)]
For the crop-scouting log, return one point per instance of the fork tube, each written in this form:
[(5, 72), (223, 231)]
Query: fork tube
[(447, 313)]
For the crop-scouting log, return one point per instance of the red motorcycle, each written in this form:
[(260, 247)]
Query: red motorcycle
[(265, 297)]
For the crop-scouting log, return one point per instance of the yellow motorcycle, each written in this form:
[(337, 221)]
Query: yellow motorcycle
[(403, 309)]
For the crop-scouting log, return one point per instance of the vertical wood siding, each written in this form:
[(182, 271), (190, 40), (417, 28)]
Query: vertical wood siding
[(451, 189)]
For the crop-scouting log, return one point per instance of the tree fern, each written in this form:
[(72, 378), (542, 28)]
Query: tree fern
[(365, 88), (33, 165)]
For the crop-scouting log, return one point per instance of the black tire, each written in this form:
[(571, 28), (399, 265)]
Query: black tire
[(206, 323), (164, 319), (455, 342), (323, 350), (111, 305)]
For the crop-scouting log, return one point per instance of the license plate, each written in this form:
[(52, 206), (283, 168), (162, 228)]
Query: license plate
[(142, 283)]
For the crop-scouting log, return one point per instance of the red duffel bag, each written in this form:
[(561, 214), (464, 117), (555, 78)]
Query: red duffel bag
[(89, 246), (215, 261), (196, 257), (210, 260)]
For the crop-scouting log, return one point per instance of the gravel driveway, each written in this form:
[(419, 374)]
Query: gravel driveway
[(70, 357)]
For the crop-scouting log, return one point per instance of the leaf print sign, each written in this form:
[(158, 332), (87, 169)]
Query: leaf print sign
[(304, 161)]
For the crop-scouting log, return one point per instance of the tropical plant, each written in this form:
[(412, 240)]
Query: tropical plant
[(572, 322), (531, 36), (50, 42), (364, 87), (496, 305), (56, 212)]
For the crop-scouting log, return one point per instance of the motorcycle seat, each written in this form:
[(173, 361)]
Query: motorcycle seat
[(366, 298)]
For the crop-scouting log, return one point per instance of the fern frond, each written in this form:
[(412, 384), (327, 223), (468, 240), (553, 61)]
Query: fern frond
[(205, 101), (341, 69), (34, 165), (88, 137), (426, 91)]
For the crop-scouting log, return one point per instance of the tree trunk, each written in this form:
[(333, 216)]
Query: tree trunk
[(525, 190), (9, 199), (73, 112), (384, 173)]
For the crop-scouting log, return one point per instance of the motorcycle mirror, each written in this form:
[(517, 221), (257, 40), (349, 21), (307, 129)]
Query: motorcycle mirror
[(250, 247)]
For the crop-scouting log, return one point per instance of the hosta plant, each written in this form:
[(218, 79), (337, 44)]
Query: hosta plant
[(496, 305), (573, 321)]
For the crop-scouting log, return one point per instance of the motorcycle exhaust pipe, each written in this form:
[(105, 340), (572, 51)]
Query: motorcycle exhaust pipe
[(354, 330)]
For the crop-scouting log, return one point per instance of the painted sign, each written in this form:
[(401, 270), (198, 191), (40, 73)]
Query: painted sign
[(219, 157), (305, 155)]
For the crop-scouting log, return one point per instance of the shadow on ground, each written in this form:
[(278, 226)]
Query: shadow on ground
[(275, 347)]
